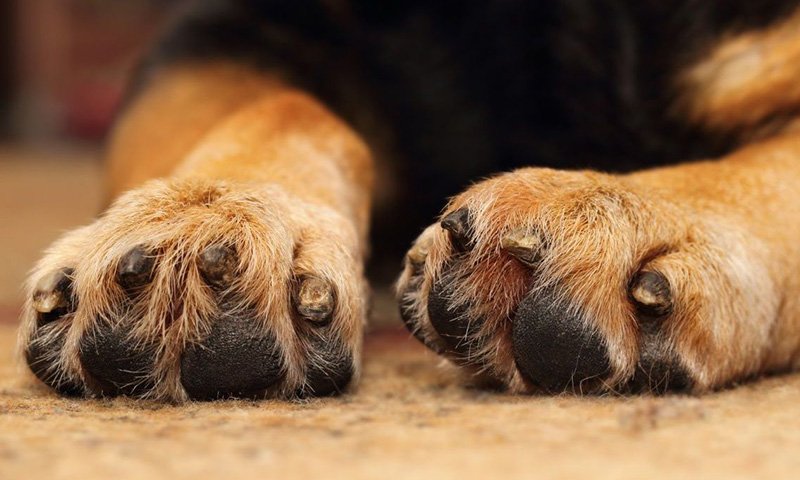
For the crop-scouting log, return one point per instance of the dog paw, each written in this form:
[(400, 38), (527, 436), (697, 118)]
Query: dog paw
[(543, 280), (199, 290)]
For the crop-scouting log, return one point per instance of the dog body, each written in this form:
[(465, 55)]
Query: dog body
[(258, 136)]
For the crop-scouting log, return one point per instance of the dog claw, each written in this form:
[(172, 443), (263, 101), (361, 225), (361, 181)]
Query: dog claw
[(457, 224), (217, 265), (523, 246), (417, 256), (135, 269), (651, 293), (53, 291), (315, 300)]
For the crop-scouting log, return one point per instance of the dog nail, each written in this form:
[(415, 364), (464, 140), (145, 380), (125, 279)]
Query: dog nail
[(651, 292), (416, 256), (217, 265), (315, 300), (457, 225), (135, 269), (53, 292), (523, 246)]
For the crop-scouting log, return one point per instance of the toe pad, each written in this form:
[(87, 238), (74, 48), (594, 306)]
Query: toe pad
[(237, 359)]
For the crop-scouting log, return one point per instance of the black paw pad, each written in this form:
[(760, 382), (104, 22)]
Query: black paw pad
[(331, 369), (658, 370), (41, 355), (408, 315), (118, 363), (237, 359), (452, 323), (660, 378), (553, 348)]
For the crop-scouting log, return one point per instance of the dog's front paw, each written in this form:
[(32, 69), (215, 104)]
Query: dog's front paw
[(548, 280), (200, 290)]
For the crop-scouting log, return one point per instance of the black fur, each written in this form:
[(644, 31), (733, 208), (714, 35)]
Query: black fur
[(471, 88)]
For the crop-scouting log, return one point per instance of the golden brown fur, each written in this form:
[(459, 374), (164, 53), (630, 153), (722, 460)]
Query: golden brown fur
[(708, 227), (746, 80), (220, 153), (248, 163), (723, 232)]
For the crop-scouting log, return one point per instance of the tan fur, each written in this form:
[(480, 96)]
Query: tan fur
[(724, 233), (167, 120), (747, 82), (246, 162)]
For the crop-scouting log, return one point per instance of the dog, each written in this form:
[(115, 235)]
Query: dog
[(645, 236)]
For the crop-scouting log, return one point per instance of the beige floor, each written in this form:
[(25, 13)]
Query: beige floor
[(43, 192), (409, 418)]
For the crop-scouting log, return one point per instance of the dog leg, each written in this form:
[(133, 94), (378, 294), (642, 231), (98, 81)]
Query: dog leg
[(681, 278), (231, 266)]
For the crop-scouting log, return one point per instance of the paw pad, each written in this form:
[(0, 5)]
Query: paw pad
[(193, 290)]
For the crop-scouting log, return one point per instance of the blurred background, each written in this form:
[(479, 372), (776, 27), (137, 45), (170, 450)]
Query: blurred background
[(63, 68)]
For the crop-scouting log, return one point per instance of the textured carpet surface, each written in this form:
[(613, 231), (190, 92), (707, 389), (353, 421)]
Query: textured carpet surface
[(408, 419)]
